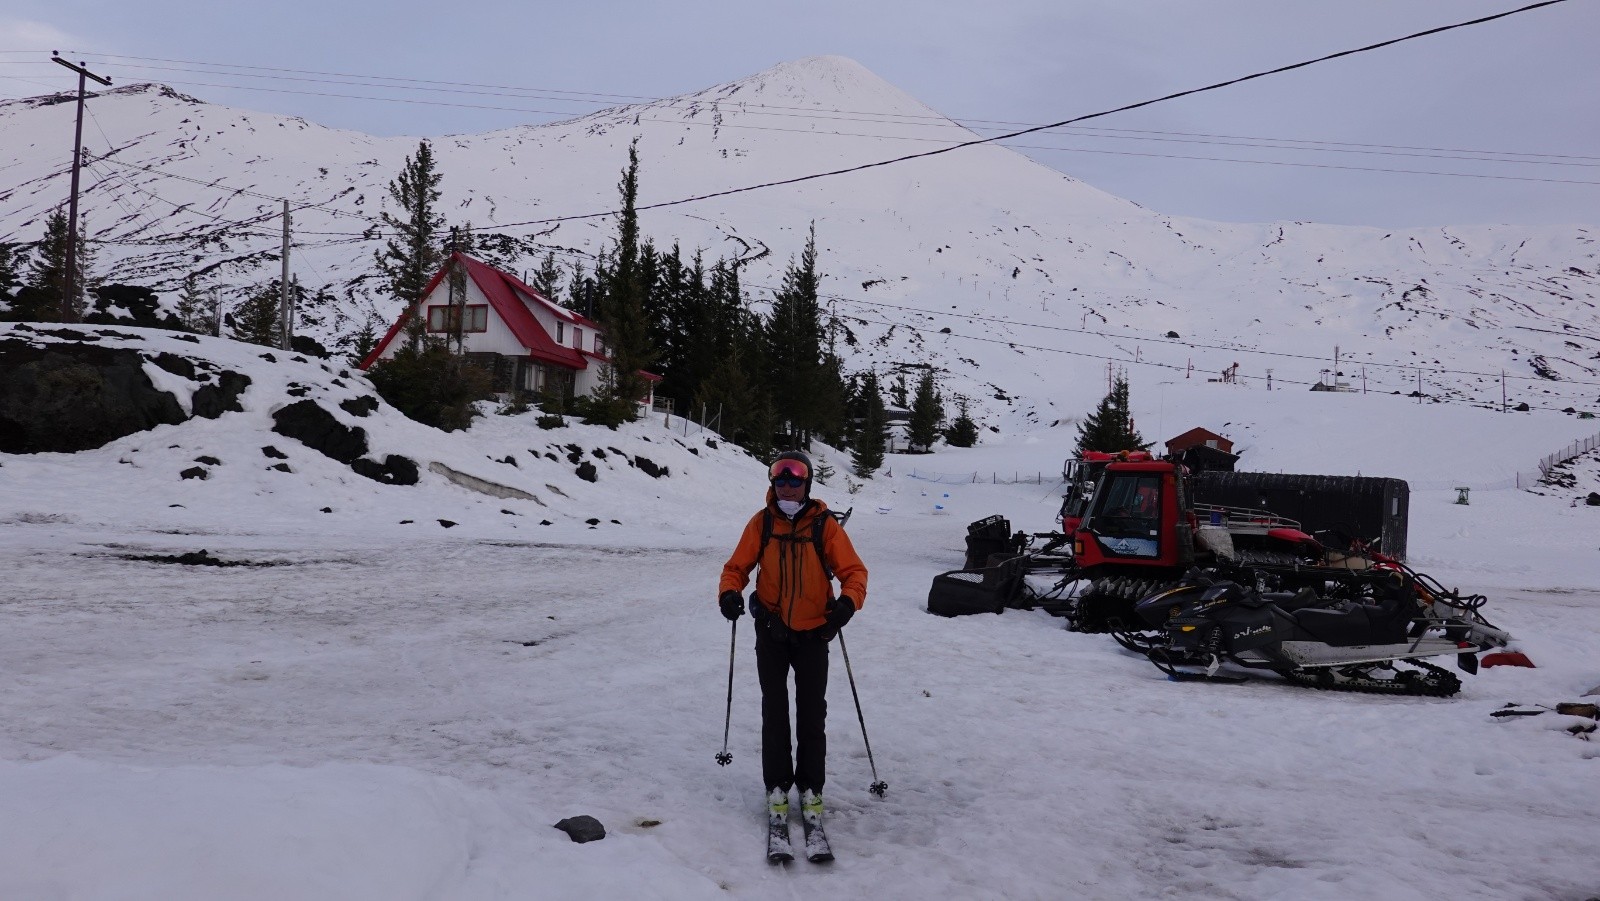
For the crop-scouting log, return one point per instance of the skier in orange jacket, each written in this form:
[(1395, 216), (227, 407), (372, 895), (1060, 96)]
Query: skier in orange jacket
[(796, 615)]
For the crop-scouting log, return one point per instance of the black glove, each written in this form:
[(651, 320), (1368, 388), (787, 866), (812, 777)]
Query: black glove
[(732, 604), (840, 609)]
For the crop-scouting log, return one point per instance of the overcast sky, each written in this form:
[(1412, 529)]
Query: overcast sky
[(1524, 91)]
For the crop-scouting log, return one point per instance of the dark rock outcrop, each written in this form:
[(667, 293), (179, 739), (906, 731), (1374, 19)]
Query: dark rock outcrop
[(583, 828), (129, 305), (211, 401), (359, 406), (64, 398), (649, 467), (394, 470), (316, 428)]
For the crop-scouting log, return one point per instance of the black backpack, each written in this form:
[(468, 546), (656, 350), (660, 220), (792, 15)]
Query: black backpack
[(817, 528)]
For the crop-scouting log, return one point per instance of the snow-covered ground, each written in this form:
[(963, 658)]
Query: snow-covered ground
[(397, 710)]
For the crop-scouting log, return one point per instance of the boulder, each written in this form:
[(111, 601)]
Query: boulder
[(316, 428), (63, 398)]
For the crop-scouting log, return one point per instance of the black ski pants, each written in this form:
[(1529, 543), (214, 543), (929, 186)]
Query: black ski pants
[(807, 655)]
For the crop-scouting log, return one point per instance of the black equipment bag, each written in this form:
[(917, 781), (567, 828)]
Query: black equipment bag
[(987, 590), (987, 537)]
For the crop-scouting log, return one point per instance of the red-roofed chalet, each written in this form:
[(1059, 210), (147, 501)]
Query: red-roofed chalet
[(532, 343)]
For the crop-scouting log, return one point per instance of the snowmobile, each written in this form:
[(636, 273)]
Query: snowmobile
[(1375, 641)]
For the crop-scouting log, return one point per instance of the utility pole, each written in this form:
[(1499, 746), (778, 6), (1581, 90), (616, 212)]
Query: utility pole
[(285, 309), (69, 312)]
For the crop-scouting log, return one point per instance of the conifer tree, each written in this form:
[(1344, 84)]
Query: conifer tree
[(1110, 427), (622, 305), (831, 400), (363, 341), (581, 289), (194, 308), (48, 270), (547, 278), (12, 260), (794, 345), (411, 256), (874, 431), (927, 412), (672, 302), (899, 392), (256, 320), (963, 432)]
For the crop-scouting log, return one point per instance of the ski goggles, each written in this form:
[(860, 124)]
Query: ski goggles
[(789, 473)]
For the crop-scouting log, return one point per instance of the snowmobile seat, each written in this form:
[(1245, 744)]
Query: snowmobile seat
[(1290, 601), (1359, 624)]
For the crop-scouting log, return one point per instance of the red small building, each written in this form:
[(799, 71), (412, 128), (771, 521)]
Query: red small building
[(1201, 437)]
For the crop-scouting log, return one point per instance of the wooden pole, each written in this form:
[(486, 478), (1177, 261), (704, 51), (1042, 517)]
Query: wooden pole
[(283, 286), (70, 286)]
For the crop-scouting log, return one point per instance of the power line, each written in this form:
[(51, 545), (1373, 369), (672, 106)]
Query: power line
[(807, 112), (1039, 128), (1016, 134), (991, 319), (1180, 342), (217, 184), (1150, 339), (1502, 157), (1149, 363)]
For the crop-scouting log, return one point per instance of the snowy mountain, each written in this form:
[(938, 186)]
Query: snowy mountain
[(979, 261)]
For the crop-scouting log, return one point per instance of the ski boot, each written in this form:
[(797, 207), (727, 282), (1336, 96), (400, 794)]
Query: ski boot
[(817, 849)]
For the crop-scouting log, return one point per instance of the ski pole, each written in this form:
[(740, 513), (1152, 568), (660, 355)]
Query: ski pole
[(724, 758), (879, 787)]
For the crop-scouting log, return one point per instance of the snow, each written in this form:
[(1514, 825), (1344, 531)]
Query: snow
[(389, 710), (1031, 272)]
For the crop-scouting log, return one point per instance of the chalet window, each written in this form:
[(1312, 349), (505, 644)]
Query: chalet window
[(599, 346), (443, 318), (577, 338), (561, 332)]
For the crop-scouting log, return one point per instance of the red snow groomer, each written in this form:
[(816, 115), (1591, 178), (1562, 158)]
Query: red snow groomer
[(1131, 530), (1128, 529)]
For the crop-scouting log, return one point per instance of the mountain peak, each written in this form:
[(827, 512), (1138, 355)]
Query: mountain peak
[(155, 88), (835, 83)]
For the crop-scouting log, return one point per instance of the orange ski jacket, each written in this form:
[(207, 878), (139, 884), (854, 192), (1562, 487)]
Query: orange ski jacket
[(792, 582)]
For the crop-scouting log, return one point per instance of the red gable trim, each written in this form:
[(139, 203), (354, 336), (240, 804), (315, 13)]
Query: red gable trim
[(404, 315), (510, 298), (505, 294)]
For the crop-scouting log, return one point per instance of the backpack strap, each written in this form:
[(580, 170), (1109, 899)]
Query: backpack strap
[(816, 539), (766, 532), (817, 528)]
